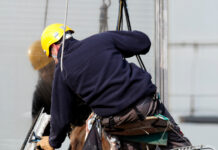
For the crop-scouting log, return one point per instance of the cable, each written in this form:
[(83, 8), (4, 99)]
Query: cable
[(120, 16), (123, 5), (65, 20)]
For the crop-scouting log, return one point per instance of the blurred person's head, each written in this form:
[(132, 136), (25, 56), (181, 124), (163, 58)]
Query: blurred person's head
[(40, 62)]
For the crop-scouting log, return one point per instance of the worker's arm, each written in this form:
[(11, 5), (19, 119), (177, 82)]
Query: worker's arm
[(131, 43), (41, 98), (36, 104), (61, 110)]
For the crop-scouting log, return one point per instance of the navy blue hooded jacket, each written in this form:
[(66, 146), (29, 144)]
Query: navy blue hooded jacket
[(94, 69)]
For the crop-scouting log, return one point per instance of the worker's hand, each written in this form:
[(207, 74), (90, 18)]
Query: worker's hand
[(44, 144)]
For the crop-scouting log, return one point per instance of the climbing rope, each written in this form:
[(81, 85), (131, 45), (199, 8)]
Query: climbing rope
[(120, 16), (63, 41), (123, 5)]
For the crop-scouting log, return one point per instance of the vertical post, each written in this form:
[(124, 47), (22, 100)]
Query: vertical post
[(192, 105), (157, 44), (161, 48), (193, 79)]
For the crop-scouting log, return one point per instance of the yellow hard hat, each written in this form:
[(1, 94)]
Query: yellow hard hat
[(52, 34), (37, 57)]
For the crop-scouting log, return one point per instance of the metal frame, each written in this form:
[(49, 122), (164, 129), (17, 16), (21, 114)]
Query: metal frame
[(161, 48)]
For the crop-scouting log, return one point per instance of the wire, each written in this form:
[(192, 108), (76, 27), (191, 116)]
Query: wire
[(123, 5), (120, 16), (65, 20)]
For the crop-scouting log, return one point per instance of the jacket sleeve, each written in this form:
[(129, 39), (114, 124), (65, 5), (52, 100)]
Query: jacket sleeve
[(131, 43), (61, 110)]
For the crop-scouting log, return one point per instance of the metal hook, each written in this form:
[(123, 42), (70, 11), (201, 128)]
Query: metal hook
[(109, 3), (35, 138)]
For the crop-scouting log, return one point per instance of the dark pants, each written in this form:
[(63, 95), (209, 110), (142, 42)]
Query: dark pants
[(147, 107)]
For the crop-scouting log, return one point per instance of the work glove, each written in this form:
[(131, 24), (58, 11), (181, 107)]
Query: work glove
[(44, 144)]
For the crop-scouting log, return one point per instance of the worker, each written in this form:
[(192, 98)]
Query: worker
[(95, 70), (45, 67), (42, 94)]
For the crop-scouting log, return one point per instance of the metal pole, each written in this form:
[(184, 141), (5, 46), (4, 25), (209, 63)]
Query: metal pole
[(161, 42), (164, 55), (31, 129), (46, 14)]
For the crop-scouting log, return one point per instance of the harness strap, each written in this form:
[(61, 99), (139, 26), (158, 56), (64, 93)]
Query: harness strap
[(111, 122), (160, 107), (139, 114)]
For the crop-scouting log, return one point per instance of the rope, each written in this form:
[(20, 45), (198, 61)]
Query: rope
[(123, 5), (130, 29), (120, 16), (169, 126), (65, 20), (165, 130)]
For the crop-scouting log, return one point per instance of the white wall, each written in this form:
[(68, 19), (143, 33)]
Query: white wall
[(194, 72)]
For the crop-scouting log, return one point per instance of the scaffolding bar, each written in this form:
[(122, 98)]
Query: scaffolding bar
[(161, 46)]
